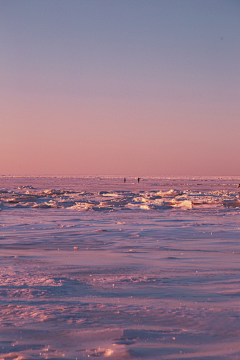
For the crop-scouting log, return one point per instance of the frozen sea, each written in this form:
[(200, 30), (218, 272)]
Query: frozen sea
[(95, 267)]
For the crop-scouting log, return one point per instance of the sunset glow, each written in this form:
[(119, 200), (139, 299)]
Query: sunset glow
[(123, 87)]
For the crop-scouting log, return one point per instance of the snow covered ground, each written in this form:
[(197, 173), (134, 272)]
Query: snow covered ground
[(95, 267)]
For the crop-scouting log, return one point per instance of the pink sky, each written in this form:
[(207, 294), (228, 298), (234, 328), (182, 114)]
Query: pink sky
[(120, 97)]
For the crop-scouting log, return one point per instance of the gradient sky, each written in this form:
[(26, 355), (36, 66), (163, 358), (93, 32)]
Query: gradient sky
[(128, 87)]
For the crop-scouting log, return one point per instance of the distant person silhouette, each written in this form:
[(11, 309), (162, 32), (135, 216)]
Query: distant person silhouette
[(138, 180), (238, 185), (124, 180)]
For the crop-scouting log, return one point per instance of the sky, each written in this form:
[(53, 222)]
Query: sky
[(120, 87)]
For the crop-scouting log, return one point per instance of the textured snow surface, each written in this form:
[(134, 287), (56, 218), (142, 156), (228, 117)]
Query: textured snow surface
[(94, 267)]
